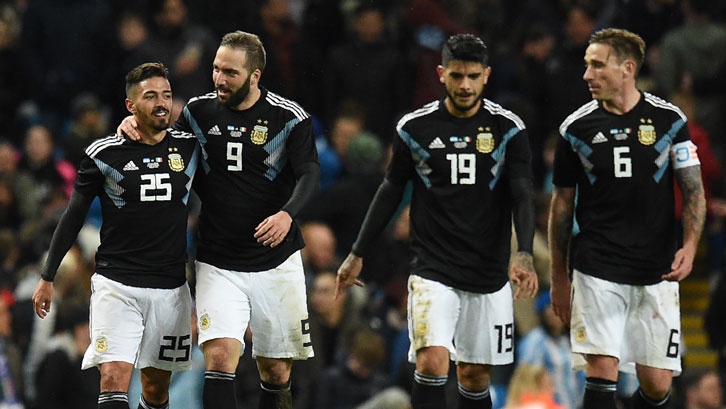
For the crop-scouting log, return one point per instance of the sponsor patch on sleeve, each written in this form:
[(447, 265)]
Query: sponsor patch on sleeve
[(684, 154)]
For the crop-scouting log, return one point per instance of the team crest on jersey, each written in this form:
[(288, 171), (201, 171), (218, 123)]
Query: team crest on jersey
[(646, 132), (484, 140), (204, 322), (101, 344), (259, 132)]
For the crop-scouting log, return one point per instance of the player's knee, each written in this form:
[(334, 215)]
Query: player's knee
[(473, 376), (114, 378), (274, 371), (218, 357), (156, 393), (432, 361), (656, 389)]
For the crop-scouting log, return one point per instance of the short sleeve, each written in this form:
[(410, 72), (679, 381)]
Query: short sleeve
[(567, 166), (402, 165), (301, 145)]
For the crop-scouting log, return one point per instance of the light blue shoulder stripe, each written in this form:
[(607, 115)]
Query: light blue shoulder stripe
[(419, 155), (112, 187), (200, 135)]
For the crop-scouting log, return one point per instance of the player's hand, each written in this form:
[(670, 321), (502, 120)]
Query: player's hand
[(560, 293), (522, 275), (682, 264), (42, 297), (130, 127), (273, 230), (348, 273)]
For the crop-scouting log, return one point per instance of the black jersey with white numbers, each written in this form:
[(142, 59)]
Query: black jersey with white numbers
[(144, 190), (461, 208), (621, 166), (252, 159)]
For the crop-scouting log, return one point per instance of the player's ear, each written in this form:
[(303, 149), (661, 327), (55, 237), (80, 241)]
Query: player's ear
[(487, 73), (256, 75), (440, 71), (629, 68), (130, 106)]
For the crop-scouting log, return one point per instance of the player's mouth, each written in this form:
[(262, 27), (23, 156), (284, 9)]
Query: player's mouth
[(160, 113), (223, 91)]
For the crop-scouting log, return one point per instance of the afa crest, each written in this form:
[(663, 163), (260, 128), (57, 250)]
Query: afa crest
[(204, 322), (101, 344), (259, 133), (580, 335), (176, 163), (646, 132), (484, 141)]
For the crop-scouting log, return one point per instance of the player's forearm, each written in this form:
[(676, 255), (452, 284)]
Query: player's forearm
[(694, 204), (560, 231), (65, 233), (379, 213), (523, 213), (305, 190)]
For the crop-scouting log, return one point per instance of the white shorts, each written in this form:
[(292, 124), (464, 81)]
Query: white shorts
[(475, 328), (272, 302), (147, 327), (634, 323)]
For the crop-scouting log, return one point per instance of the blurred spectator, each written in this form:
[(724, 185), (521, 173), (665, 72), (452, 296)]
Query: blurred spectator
[(548, 346), (60, 382), (343, 206), (11, 384), (319, 251), (531, 387), (182, 45), (369, 70), (66, 50), (89, 124), (566, 67), (700, 389), (332, 321), (39, 163), (693, 59), (348, 384), (11, 72), (389, 319), (9, 257), (9, 207), (346, 127)]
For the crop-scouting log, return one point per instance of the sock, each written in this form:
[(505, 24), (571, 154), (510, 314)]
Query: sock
[(218, 391), (143, 404), (469, 399), (599, 394), (113, 400), (275, 396), (640, 401), (428, 391)]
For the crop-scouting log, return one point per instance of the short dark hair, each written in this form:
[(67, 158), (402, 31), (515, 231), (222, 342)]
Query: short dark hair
[(625, 45), (464, 47), (143, 72), (251, 44)]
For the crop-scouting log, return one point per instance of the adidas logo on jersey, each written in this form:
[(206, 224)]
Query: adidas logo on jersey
[(599, 138), (130, 166), (214, 131), (436, 144)]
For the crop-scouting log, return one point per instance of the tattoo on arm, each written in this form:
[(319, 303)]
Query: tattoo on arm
[(564, 231), (560, 225), (694, 202), (525, 260)]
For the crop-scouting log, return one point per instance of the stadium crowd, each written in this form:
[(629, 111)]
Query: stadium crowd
[(356, 66)]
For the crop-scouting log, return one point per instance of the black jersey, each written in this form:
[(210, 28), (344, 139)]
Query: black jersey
[(144, 190), (251, 159), (461, 210), (625, 207)]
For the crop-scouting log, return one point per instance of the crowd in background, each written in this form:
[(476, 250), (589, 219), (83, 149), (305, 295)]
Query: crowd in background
[(356, 66)]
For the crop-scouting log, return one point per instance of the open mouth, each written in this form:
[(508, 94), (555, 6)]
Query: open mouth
[(161, 113)]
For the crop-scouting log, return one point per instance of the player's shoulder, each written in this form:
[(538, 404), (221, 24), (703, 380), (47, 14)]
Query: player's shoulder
[(578, 115), (659, 104), (502, 113), (286, 106), (104, 144), (416, 115), (202, 100)]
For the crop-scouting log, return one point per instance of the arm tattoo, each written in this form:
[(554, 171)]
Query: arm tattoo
[(694, 201), (525, 260)]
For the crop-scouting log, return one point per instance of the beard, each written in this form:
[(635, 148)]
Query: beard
[(463, 108), (236, 97), (155, 122)]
